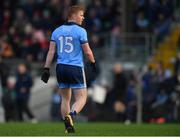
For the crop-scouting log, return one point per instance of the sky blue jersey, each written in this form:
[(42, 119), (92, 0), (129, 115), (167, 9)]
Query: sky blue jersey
[(69, 39)]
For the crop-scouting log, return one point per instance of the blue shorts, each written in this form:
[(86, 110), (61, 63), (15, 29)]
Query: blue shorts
[(69, 76)]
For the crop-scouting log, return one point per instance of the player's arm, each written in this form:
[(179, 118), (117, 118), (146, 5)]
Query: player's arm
[(88, 52), (50, 55), (46, 74)]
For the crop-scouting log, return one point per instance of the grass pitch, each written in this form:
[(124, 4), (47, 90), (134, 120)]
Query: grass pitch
[(89, 129)]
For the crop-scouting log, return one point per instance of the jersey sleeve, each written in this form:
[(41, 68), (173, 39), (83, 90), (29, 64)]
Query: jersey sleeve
[(83, 36), (53, 37)]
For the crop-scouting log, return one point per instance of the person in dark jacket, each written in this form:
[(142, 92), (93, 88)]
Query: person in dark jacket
[(119, 88), (23, 86)]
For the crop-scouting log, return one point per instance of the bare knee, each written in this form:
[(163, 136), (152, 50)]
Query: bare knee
[(65, 95), (80, 94)]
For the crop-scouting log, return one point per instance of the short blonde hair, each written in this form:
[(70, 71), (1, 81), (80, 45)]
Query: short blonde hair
[(74, 9)]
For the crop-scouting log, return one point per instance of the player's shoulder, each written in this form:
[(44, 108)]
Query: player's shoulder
[(81, 30), (57, 29)]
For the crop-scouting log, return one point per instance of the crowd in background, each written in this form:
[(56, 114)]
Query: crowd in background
[(158, 89), (26, 25), (153, 16), (160, 94)]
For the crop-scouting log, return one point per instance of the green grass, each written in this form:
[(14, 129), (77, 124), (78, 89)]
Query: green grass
[(89, 129)]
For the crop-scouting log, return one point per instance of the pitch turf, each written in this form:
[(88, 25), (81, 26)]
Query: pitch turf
[(89, 129)]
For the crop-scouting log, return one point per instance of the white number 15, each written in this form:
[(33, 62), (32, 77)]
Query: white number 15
[(66, 41)]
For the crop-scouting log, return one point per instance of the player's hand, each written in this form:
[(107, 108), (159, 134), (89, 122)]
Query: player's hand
[(45, 75), (93, 66)]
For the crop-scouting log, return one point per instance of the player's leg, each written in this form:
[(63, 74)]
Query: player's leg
[(80, 100), (65, 110), (80, 93), (65, 102), (65, 91), (69, 77), (80, 96)]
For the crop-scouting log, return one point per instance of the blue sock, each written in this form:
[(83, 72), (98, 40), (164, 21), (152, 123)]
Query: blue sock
[(73, 114)]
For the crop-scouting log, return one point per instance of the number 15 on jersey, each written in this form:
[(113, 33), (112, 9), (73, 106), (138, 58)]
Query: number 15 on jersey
[(66, 44)]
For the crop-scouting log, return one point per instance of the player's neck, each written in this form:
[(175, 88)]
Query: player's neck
[(71, 20)]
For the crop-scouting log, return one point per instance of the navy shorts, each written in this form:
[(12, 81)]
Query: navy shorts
[(69, 76)]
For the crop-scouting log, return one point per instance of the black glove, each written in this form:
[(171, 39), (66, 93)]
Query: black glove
[(93, 66), (45, 75)]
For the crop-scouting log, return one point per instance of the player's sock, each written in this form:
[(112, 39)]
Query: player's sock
[(73, 114)]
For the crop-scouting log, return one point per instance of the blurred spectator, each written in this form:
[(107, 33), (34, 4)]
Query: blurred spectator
[(130, 100), (168, 86), (169, 82), (119, 91), (156, 83), (148, 93), (164, 105), (23, 92), (40, 44), (9, 102), (115, 44), (20, 20)]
